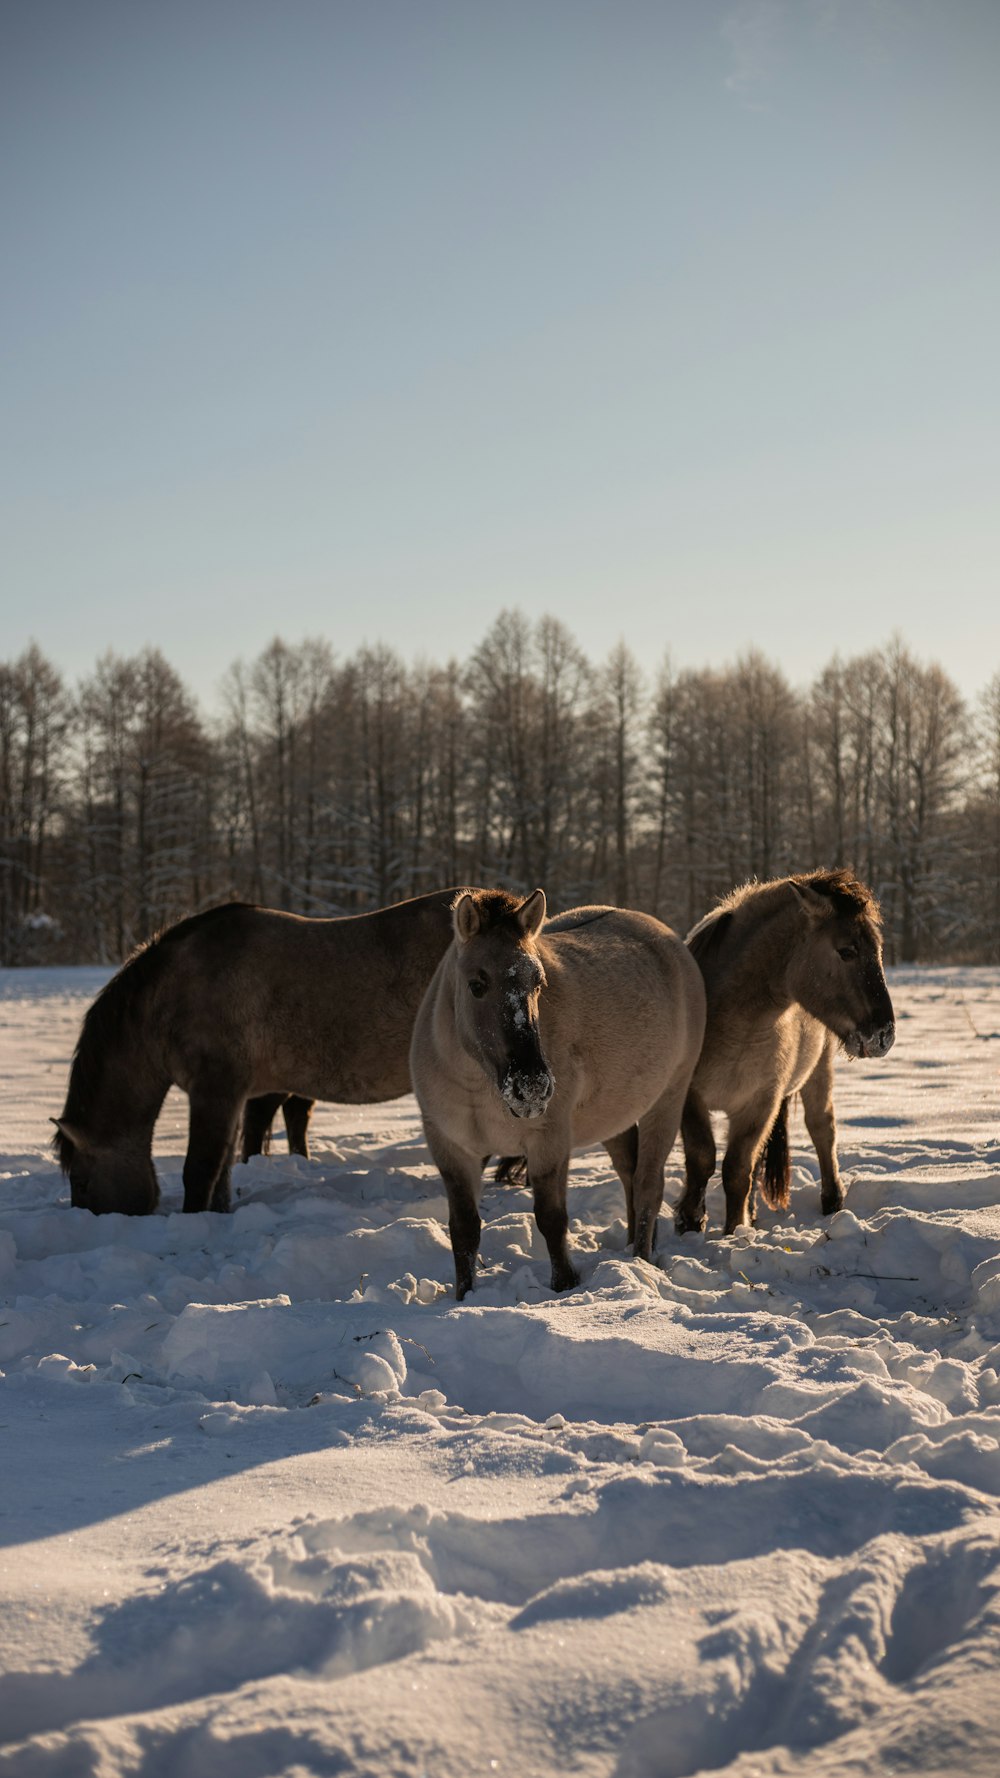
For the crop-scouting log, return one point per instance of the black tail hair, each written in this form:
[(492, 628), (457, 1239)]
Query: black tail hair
[(773, 1172), (512, 1169)]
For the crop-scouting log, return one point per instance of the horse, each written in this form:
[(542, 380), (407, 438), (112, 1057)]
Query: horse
[(259, 1114), (536, 1042), (792, 968), (229, 1004)]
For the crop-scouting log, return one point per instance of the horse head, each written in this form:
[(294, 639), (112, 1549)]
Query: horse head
[(103, 1177), (836, 969), (499, 977)]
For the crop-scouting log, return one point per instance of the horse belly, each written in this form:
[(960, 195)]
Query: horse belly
[(346, 1065), (343, 1085), (621, 1082), (736, 1070), (605, 1116)]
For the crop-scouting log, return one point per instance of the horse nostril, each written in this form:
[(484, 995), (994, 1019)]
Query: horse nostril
[(527, 1094)]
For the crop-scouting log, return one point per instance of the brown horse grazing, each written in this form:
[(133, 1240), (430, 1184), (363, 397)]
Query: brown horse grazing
[(259, 1115), (535, 1043), (791, 968), (230, 1004)]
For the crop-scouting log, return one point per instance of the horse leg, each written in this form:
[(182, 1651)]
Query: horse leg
[(817, 1104), (747, 1132), (624, 1152), (258, 1116), (297, 1112), (462, 1174), (548, 1187), (699, 1163), (657, 1134), (212, 1133)]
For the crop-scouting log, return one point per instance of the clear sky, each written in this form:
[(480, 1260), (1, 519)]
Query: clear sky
[(678, 319)]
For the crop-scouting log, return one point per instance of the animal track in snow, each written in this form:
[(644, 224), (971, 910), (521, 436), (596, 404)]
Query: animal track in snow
[(232, 1624)]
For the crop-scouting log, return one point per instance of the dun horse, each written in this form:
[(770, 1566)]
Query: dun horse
[(232, 1003), (791, 968), (536, 1043)]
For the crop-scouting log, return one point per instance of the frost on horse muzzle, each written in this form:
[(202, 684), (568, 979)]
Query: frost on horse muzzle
[(526, 1092)]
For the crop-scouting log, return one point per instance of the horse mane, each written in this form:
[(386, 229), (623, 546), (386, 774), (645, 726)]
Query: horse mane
[(63, 1150), (846, 893), (574, 918), (704, 939), (496, 908), (113, 1012)]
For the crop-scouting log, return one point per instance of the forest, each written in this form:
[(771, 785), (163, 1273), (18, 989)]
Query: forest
[(327, 785)]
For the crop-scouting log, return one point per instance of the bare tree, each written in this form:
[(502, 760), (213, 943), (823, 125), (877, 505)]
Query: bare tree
[(926, 738), (33, 723), (328, 785), (981, 829), (623, 705)]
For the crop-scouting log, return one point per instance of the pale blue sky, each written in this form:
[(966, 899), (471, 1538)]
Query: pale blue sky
[(367, 318)]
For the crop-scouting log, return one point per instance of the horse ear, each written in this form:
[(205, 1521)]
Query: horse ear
[(465, 918), (817, 906), (531, 914), (70, 1132)]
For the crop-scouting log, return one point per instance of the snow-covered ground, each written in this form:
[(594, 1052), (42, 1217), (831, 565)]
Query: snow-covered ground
[(271, 1504)]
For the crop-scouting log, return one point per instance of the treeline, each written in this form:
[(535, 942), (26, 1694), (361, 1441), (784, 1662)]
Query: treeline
[(328, 786)]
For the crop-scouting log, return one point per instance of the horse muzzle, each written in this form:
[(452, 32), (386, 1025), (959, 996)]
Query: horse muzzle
[(872, 1044), (527, 1095)]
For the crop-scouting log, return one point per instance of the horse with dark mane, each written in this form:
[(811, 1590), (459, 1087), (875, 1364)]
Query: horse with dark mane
[(792, 968), (233, 1003), (534, 1040)]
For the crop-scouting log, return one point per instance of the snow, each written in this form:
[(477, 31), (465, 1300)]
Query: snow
[(273, 1504)]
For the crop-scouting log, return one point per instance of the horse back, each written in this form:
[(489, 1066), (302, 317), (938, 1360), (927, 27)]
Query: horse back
[(324, 1008), (623, 991)]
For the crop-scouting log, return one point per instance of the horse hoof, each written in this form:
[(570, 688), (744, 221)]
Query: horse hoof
[(830, 1205), (564, 1278), (690, 1225)]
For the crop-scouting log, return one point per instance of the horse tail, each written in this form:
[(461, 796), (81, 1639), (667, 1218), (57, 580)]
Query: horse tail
[(773, 1172), (512, 1169)]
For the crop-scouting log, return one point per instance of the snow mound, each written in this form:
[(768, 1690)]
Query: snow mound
[(274, 1505)]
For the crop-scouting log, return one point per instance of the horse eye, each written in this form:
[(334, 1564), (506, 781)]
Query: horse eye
[(847, 952), (478, 986)]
